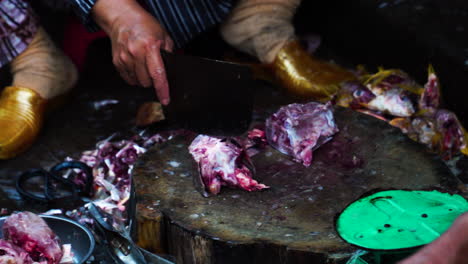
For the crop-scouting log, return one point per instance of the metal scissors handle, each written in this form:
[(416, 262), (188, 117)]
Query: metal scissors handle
[(87, 189), (51, 178), (120, 247)]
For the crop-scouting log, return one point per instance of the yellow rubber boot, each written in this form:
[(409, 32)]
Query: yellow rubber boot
[(308, 77), (21, 116), (41, 75), (263, 28)]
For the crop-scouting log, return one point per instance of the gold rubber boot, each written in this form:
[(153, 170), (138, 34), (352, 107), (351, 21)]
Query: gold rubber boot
[(42, 78), (305, 76), (21, 118)]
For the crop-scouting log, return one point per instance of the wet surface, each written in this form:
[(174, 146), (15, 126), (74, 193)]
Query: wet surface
[(99, 106), (399, 33), (298, 210)]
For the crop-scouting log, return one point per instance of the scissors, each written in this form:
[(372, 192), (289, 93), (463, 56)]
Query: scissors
[(80, 194), (120, 245)]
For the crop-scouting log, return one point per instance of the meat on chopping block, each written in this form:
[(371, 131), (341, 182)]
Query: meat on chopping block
[(291, 222), (223, 162), (298, 129)]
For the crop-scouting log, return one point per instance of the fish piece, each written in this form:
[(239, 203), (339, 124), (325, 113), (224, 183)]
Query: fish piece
[(439, 129), (353, 94), (11, 254), (298, 129), (453, 136), (31, 233), (386, 79), (222, 162), (386, 92), (393, 102), (392, 90), (424, 130)]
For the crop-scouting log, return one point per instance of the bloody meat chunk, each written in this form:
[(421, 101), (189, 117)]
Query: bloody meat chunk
[(222, 162), (11, 254), (31, 233), (298, 129)]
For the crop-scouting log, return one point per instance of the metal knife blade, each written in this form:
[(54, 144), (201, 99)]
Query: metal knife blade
[(208, 96)]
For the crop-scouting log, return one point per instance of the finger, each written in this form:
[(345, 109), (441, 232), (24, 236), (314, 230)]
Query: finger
[(168, 44), (157, 72), (123, 73), (127, 76), (126, 68), (138, 56), (142, 74)]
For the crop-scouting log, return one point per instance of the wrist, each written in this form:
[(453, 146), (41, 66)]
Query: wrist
[(106, 13)]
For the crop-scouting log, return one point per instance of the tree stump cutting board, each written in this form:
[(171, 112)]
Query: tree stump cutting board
[(293, 221)]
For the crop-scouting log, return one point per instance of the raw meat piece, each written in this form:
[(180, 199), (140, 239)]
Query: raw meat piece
[(430, 98), (149, 113), (112, 163), (31, 233), (222, 162), (395, 102), (11, 254), (453, 135), (254, 143), (67, 257), (439, 129), (298, 129)]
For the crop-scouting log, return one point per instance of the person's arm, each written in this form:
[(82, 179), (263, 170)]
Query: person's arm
[(82, 9), (450, 248), (136, 38)]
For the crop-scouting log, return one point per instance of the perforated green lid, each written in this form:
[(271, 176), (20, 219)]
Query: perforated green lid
[(398, 219)]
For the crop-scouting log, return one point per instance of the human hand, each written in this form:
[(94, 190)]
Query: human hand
[(137, 39), (450, 248)]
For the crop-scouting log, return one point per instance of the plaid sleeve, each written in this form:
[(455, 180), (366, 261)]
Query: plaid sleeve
[(82, 9), (18, 26)]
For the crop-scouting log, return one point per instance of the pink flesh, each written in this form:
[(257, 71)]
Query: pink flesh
[(430, 98), (222, 163), (453, 138), (255, 142), (12, 254), (30, 232), (298, 129)]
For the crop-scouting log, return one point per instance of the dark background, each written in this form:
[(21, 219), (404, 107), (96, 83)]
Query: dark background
[(406, 34)]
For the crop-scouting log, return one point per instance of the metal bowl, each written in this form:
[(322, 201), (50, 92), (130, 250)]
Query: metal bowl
[(70, 232)]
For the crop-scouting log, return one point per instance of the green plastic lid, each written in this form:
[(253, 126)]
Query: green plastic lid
[(398, 219)]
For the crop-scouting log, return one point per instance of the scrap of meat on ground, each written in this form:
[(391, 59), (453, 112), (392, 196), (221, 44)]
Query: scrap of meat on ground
[(11, 254), (298, 129), (223, 162), (31, 233)]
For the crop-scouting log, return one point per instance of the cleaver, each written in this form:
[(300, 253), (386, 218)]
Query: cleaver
[(208, 96)]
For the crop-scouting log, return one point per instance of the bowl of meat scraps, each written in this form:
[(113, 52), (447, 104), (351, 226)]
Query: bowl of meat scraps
[(27, 238)]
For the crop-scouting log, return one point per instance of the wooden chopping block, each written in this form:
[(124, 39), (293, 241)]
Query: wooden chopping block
[(293, 221)]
